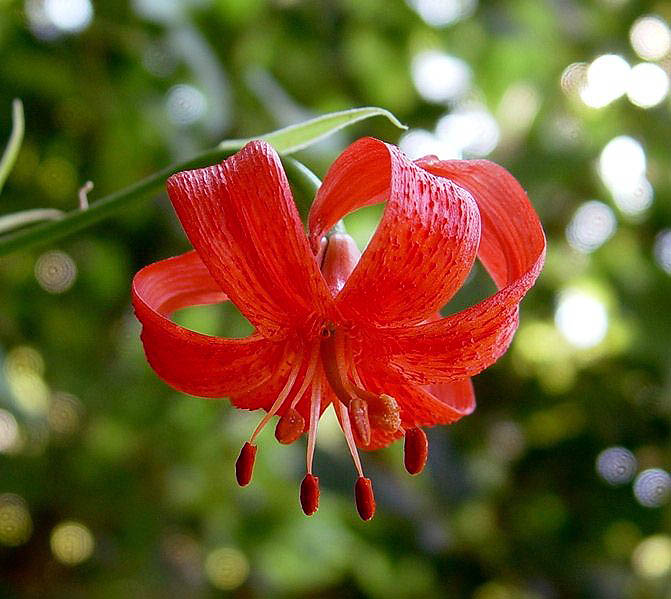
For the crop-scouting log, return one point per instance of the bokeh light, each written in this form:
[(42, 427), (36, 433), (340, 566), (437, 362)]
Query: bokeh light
[(65, 413), (226, 568), (72, 543), (574, 78), (650, 37), (55, 271), (440, 77), (16, 525), (606, 80), (185, 104), (9, 432), (581, 318), (417, 143), (616, 465), (648, 85), (441, 13), (471, 129), (652, 557), (622, 163), (634, 200), (49, 19), (591, 226), (652, 487), (23, 370), (662, 250)]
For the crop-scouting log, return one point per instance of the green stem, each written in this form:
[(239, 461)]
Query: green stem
[(14, 143), (75, 220)]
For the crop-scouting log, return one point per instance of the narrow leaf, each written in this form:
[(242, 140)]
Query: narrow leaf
[(299, 136), (14, 143), (16, 220)]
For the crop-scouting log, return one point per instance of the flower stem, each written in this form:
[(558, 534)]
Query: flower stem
[(75, 220), (14, 143)]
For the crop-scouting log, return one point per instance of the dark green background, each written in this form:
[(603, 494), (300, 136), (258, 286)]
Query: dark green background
[(510, 504)]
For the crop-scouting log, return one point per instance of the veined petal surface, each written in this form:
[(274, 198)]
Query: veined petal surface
[(424, 246), (188, 361), (241, 219)]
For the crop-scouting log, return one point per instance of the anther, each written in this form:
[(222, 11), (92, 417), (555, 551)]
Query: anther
[(289, 427), (415, 450), (365, 500), (310, 494), (244, 466), (385, 413), (358, 416)]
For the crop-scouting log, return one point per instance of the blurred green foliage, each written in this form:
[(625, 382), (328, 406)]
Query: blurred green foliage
[(111, 483)]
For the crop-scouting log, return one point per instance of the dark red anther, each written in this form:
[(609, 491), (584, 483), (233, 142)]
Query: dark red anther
[(415, 450), (289, 427), (310, 494), (358, 417), (244, 466), (365, 500)]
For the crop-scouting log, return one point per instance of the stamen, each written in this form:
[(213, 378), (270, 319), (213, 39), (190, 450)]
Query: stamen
[(358, 415), (289, 427), (415, 450), (385, 413), (347, 431), (310, 494), (315, 408), (365, 500), (281, 397), (244, 465)]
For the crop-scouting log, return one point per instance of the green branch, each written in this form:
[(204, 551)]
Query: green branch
[(14, 143)]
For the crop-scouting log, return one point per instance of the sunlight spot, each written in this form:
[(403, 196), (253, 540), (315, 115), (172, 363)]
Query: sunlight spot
[(226, 568), (472, 129), (652, 557), (441, 13), (72, 543), (650, 37), (652, 487), (616, 465), (16, 525), (648, 85), (70, 16), (417, 143), (591, 226), (622, 162), (9, 432), (185, 104), (606, 80), (55, 271), (662, 250), (581, 318), (440, 77)]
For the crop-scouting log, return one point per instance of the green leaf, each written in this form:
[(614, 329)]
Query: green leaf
[(300, 136), (14, 143), (16, 220)]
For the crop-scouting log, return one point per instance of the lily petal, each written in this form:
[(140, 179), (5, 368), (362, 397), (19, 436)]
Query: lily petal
[(192, 362), (241, 219), (420, 406), (512, 249), (423, 248)]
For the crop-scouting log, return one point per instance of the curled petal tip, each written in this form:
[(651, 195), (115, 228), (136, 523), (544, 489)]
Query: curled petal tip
[(310, 494), (365, 500), (415, 450), (244, 466), (289, 427)]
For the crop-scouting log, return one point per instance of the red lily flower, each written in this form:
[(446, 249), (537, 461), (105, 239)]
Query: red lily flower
[(332, 327)]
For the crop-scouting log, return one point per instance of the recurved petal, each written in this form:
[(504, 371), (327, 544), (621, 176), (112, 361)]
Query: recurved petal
[(192, 362), (424, 246), (242, 221), (512, 249), (421, 405)]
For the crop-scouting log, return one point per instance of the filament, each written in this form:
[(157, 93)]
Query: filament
[(315, 407), (349, 437)]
